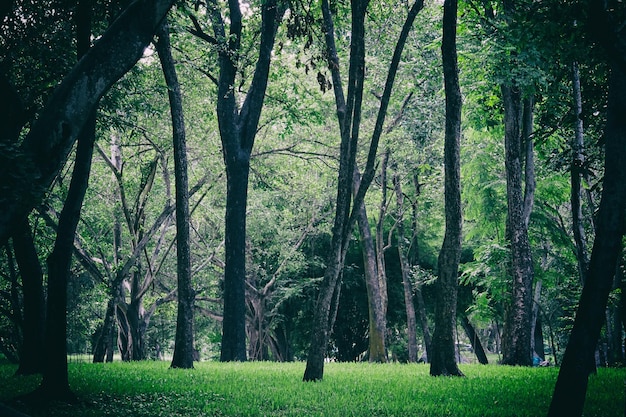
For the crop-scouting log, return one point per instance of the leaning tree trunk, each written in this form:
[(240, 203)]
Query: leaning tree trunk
[(183, 347), (48, 143), (571, 385), (471, 334), (443, 358)]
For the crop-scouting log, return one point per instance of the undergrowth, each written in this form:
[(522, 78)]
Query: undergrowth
[(149, 389)]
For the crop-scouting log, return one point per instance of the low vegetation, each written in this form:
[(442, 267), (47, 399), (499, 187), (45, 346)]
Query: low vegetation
[(271, 389)]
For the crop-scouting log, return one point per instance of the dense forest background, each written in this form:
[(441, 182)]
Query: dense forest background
[(124, 277)]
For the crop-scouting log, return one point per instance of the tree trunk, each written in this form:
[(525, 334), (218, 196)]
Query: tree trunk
[(183, 347), (571, 385), (234, 324), (405, 267), (377, 320), (48, 143), (238, 129), (348, 114), (34, 302), (536, 346), (413, 260), (55, 383), (578, 165), (442, 358), (477, 346), (517, 338)]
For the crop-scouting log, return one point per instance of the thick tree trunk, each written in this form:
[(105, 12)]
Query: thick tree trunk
[(183, 348), (571, 385), (238, 131), (47, 145), (34, 302), (234, 324), (442, 357)]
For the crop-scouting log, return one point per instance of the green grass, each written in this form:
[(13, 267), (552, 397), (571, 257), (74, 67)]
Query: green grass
[(273, 389)]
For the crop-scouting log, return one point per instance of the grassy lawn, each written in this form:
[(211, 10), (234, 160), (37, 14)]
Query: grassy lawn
[(275, 389)]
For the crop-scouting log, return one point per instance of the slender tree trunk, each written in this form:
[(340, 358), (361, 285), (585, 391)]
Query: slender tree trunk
[(477, 346), (183, 347), (571, 385), (536, 348), (348, 114), (377, 320), (407, 286), (55, 383), (578, 164), (442, 358), (34, 302), (413, 260)]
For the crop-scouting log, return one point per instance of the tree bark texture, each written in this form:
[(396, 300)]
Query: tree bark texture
[(571, 386), (34, 302), (46, 147), (442, 357), (183, 347), (516, 338)]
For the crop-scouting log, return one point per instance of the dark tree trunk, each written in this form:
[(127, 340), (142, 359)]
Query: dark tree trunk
[(234, 324), (405, 267), (104, 343), (442, 357), (477, 346), (238, 131), (34, 302), (571, 385), (55, 383), (516, 339), (48, 143), (183, 348)]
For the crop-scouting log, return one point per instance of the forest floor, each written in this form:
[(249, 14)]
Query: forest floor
[(148, 389)]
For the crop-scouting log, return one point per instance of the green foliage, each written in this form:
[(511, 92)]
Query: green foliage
[(266, 389)]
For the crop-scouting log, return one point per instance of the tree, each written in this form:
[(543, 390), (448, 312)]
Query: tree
[(48, 143), (183, 349), (571, 386), (349, 117), (238, 128), (442, 357)]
